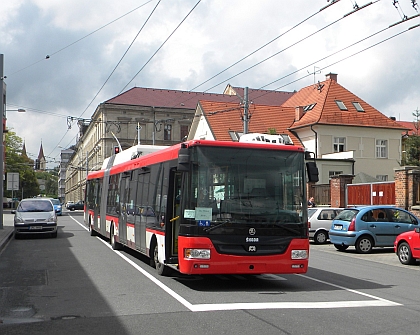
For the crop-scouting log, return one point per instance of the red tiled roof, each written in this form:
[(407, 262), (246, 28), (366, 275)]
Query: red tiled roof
[(326, 110), (139, 96), (224, 117), (265, 97), (411, 127)]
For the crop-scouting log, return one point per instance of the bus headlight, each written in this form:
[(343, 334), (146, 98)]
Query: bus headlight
[(197, 253), (299, 254)]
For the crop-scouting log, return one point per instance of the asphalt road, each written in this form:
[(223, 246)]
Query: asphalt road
[(76, 284)]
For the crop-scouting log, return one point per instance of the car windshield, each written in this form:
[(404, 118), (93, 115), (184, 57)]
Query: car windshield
[(35, 206), (55, 201), (347, 214)]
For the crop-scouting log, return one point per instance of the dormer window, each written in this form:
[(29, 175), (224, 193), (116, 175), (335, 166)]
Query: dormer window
[(308, 107), (358, 106), (341, 105)]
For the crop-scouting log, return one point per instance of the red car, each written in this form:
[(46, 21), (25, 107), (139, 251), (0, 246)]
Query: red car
[(407, 246)]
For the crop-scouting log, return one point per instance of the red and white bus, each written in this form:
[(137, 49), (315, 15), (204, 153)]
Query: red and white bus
[(206, 207)]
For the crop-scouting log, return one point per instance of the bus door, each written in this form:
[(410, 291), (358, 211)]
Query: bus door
[(176, 211), (145, 213), (124, 194), (97, 203)]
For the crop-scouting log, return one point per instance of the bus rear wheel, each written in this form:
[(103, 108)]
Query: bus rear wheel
[(114, 244), (162, 269)]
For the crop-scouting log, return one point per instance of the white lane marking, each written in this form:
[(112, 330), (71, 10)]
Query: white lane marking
[(375, 302)]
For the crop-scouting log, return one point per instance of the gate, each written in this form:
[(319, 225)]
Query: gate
[(321, 193), (381, 193)]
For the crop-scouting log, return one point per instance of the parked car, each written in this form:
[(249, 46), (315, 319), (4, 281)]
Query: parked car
[(57, 206), (35, 216), (407, 246), (320, 219), (370, 226), (68, 203), (77, 205)]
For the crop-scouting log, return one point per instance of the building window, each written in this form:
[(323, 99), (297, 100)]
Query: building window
[(334, 173), (341, 105), (339, 144), (382, 177), (381, 148), (358, 106), (309, 107), (167, 132), (184, 132)]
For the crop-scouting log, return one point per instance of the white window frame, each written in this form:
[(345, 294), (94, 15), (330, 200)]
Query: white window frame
[(339, 142), (381, 148), (382, 177)]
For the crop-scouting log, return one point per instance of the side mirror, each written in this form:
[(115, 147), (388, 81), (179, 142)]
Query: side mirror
[(183, 159), (417, 229), (312, 169)]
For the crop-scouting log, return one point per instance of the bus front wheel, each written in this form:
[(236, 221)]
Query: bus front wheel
[(161, 269)]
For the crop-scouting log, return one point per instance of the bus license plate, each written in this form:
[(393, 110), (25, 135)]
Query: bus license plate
[(338, 227)]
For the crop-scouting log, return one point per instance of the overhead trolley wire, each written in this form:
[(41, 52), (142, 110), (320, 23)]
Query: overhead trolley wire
[(338, 51), (160, 47), (125, 53), (266, 44), (293, 44), (82, 38)]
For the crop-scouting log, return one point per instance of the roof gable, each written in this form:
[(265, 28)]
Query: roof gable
[(224, 117), (326, 110)]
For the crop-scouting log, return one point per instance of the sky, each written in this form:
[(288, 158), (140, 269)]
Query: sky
[(63, 58)]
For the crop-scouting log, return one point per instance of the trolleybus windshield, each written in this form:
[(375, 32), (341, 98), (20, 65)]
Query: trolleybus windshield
[(240, 186)]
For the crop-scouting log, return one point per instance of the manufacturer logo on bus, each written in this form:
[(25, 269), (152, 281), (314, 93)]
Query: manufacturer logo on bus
[(252, 231), (252, 248)]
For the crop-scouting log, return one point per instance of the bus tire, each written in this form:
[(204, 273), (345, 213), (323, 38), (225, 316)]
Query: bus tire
[(91, 230), (114, 244), (161, 269), (152, 252)]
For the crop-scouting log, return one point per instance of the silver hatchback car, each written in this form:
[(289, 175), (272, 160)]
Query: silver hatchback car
[(320, 219), (35, 216)]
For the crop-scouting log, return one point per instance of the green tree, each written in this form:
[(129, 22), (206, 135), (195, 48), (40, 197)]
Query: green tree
[(50, 179), (412, 151), (16, 162)]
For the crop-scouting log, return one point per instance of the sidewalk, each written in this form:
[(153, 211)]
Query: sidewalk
[(7, 232)]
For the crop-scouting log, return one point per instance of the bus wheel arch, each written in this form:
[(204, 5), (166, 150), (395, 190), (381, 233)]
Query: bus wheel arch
[(161, 269)]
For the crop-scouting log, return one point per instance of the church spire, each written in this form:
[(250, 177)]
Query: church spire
[(24, 150)]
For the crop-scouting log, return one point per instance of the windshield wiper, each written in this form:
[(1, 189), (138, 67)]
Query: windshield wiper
[(216, 226)]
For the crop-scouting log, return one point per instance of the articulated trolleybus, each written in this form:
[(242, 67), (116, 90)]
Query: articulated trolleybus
[(206, 207)]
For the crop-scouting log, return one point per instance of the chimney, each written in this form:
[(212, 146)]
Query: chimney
[(298, 113), (332, 76)]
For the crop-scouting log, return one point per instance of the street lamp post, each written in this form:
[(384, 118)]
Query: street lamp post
[(2, 110)]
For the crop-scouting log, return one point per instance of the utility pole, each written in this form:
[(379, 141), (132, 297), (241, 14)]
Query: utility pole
[(3, 111), (246, 111)]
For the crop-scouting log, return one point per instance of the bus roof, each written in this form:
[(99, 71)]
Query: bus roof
[(162, 154)]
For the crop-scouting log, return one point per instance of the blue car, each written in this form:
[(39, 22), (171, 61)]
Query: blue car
[(370, 226), (57, 206)]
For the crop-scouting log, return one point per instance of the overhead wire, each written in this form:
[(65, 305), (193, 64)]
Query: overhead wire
[(264, 45), (293, 44), (160, 47), (122, 57), (48, 56)]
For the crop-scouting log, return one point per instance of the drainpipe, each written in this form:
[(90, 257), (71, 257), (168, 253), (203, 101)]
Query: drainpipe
[(316, 142)]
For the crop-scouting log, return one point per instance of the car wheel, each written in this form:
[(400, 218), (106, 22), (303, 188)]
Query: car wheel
[(404, 254), (72, 208), (321, 237), (341, 247), (364, 245), (54, 235), (161, 269)]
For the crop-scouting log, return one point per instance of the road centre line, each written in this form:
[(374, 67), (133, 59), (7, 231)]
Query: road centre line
[(375, 302)]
